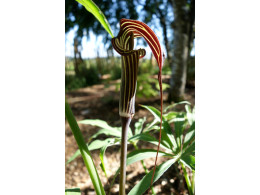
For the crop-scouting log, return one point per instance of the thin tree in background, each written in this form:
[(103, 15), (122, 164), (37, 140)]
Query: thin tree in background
[(183, 25)]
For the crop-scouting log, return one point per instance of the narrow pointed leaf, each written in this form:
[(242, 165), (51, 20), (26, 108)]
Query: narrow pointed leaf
[(190, 150), (173, 105), (144, 184), (99, 123), (102, 158), (167, 135), (179, 126), (73, 191), (93, 8), (142, 154), (148, 138), (114, 132), (85, 153), (133, 156), (139, 125), (190, 114), (188, 161), (190, 135), (96, 144)]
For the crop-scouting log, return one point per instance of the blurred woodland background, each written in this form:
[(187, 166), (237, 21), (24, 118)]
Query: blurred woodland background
[(92, 83), (174, 20)]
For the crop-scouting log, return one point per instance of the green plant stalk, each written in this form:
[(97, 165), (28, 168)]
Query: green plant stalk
[(187, 179), (125, 125), (193, 182), (85, 153), (145, 169)]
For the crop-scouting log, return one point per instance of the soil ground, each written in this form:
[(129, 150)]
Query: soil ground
[(101, 102)]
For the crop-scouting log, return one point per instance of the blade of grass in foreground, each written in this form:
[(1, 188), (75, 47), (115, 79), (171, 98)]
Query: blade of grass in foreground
[(85, 153), (74, 191), (93, 8)]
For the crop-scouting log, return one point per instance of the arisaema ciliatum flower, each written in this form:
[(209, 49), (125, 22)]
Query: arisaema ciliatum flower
[(124, 45)]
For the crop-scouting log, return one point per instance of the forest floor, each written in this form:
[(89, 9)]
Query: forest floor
[(101, 102)]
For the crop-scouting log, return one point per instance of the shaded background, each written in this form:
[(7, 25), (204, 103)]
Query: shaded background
[(93, 71)]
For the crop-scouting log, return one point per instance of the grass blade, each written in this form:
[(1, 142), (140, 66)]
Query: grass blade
[(93, 8), (85, 153), (73, 191)]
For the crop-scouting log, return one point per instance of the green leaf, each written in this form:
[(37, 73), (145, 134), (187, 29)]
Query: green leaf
[(73, 191), (148, 138), (139, 125), (102, 158), (99, 123), (190, 114), (170, 115), (167, 136), (190, 135), (85, 153), (96, 144), (190, 149), (141, 154), (134, 156), (74, 156), (188, 161), (106, 129), (173, 105), (156, 113), (179, 125), (114, 132), (144, 184), (93, 8)]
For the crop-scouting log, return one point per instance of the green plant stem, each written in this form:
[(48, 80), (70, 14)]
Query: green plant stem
[(125, 125), (85, 153), (187, 179), (145, 168), (193, 182)]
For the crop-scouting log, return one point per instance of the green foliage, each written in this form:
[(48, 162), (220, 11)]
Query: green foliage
[(115, 72), (148, 86), (73, 191), (85, 153), (144, 184), (178, 142), (88, 75), (73, 82), (93, 8)]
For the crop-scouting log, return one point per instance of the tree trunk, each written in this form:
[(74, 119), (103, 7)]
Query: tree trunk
[(181, 26), (77, 56)]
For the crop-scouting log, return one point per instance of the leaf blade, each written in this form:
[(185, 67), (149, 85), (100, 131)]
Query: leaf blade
[(144, 184), (85, 153), (94, 9)]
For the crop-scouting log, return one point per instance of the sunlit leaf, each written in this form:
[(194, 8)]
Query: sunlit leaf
[(73, 191), (139, 125), (85, 153), (96, 144), (173, 105), (189, 161), (179, 125), (93, 8), (144, 184), (142, 154), (148, 138), (190, 135)]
